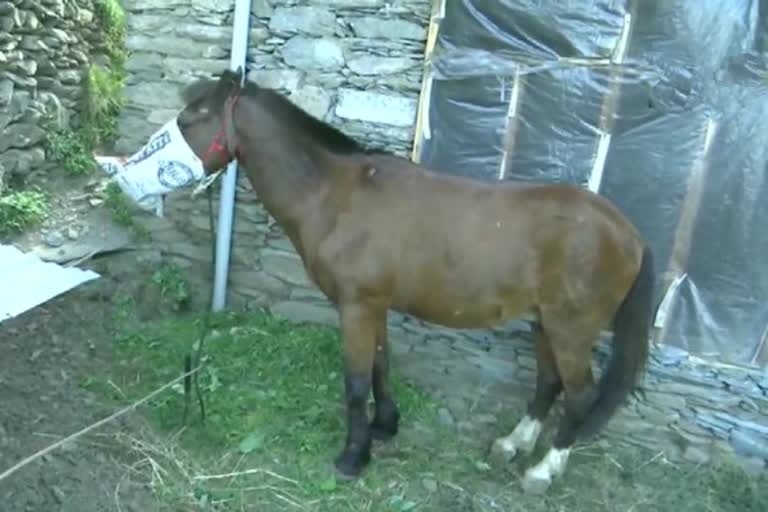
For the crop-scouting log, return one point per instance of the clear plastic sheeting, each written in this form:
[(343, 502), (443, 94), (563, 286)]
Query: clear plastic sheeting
[(455, 147), (556, 136), (545, 30), (722, 304), (660, 105)]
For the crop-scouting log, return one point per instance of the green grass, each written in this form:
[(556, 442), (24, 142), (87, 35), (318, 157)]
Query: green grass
[(273, 392), (21, 210)]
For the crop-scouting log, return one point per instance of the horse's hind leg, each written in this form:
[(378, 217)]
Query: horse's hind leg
[(386, 416), (572, 354), (548, 385)]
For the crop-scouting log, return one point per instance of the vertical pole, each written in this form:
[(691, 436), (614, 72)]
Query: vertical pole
[(422, 129), (595, 179), (239, 52), (511, 121), (681, 247)]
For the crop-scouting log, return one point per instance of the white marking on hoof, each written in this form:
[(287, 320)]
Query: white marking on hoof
[(523, 438), (538, 478)]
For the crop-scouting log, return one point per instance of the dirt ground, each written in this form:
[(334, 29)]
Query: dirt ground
[(46, 353)]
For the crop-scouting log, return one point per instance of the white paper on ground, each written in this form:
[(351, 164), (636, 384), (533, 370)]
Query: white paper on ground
[(26, 281), (166, 163)]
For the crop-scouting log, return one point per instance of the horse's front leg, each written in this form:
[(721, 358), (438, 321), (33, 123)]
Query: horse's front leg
[(386, 417), (359, 324)]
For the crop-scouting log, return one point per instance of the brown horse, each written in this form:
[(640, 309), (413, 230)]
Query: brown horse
[(376, 232)]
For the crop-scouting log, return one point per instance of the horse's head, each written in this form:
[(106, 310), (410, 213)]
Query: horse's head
[(207, 123)]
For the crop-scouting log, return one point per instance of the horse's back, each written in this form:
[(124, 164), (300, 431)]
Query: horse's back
[(543, 203), (456, 250)]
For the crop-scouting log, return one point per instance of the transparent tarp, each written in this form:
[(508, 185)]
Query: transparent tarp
[(661, 105)]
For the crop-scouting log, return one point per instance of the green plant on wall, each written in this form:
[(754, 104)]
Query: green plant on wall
[(104, 85), (111, 16), (102, 98), (103, 104), (70, 149)]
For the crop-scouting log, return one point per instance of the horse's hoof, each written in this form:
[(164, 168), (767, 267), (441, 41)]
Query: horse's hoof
[(534, 483), (380, 434), (385, 423), (383, 432), (342, 476), (349, 467), (502, 451)]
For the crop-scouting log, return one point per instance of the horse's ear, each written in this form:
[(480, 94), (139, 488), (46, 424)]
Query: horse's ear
[(197, 90), (232, 79)]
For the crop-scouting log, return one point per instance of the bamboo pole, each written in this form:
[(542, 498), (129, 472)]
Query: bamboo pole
[(511, 121), (760, 356), (608, 110), (681, 248), (422, 129)]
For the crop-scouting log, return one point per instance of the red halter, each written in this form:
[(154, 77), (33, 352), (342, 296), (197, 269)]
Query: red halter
[(220, 142)]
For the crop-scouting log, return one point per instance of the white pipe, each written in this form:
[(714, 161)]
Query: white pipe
[(240, 30)]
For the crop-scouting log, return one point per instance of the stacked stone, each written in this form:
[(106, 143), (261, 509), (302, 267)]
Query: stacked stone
[(354, 63), (44, 48)]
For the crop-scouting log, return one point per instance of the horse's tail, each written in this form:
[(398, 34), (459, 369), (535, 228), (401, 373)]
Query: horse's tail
[(631, 343)]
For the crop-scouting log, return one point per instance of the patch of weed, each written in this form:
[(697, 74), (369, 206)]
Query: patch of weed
[(122, 210), (71, 150), (173, 287), (21, 210)]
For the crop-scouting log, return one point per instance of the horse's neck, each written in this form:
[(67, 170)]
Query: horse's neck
[(290, 183)]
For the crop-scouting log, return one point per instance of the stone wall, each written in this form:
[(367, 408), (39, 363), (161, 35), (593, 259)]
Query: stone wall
[(357, 63), (45, 48)]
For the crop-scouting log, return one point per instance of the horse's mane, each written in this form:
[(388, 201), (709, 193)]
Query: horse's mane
[(215, 93)]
